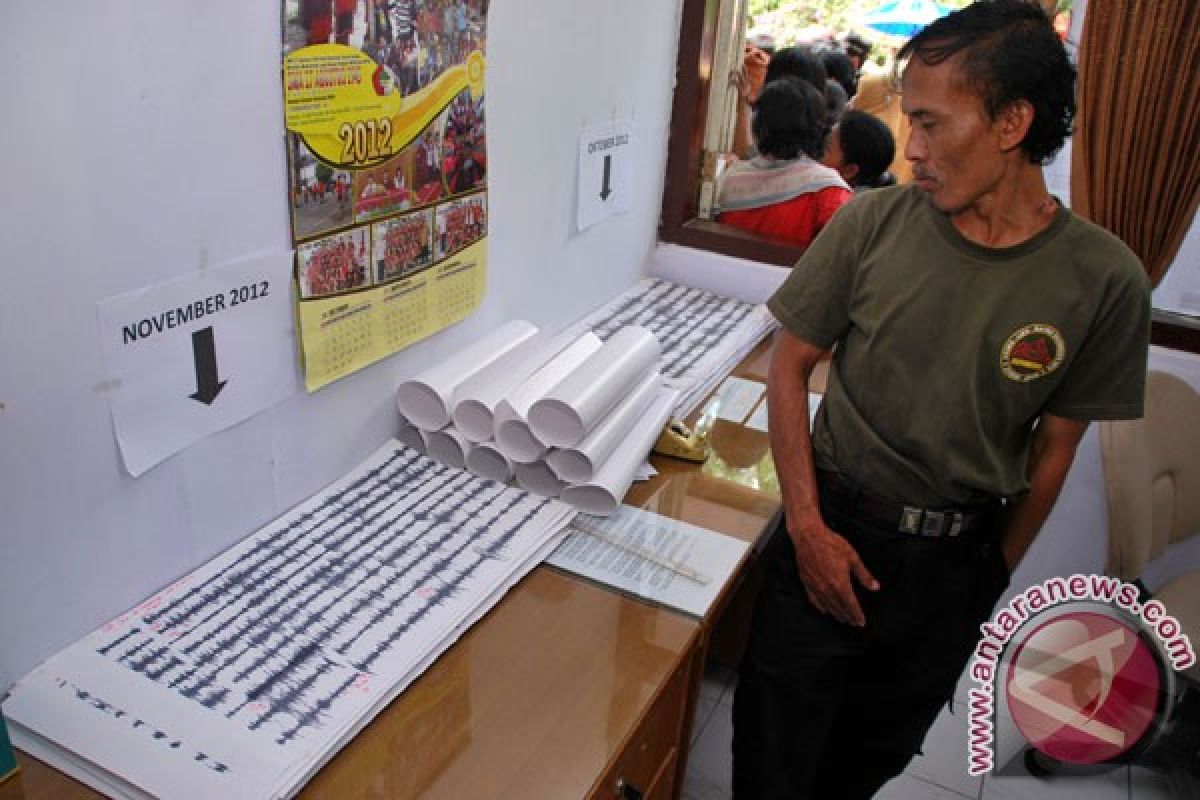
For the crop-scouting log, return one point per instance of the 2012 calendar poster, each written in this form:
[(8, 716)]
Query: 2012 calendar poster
[(387, 164)]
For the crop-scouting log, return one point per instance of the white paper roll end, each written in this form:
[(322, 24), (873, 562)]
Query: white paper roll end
[(590, 500), (490, 464), (474, 419), (538, 479), (421, 405), (411, 437), (445, 448), (571, 465), (518, 443), (556, 423)]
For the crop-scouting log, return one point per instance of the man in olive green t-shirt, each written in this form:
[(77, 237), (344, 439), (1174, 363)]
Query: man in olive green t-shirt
[(976, 327)]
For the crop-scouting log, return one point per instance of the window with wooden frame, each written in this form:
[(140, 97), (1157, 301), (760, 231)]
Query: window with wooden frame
[(702, 118), (703, 112)]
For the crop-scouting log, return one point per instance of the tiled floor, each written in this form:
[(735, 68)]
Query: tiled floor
[(939, 774)]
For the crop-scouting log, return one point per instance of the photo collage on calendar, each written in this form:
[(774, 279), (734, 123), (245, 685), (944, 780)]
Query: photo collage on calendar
[(387, 146), (394, 202)]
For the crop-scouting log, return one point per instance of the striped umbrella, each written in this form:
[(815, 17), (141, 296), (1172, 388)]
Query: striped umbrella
[(903, 17)]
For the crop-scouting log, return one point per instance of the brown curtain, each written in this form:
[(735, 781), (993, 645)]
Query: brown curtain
[(1135, 166)]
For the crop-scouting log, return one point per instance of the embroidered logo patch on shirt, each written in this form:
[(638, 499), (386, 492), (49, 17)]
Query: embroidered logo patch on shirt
[(1032, 351)]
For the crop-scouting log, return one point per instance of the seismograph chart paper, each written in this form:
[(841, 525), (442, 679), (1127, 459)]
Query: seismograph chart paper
[(244, 677)]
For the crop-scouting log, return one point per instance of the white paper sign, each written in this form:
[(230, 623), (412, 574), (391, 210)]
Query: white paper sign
[(199, 354), (605, 171)]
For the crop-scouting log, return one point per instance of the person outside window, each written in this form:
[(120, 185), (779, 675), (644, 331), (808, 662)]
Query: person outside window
[(860, 148), (784, 192)]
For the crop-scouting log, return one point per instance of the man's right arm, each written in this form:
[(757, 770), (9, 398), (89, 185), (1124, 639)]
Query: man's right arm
[(825, 560)]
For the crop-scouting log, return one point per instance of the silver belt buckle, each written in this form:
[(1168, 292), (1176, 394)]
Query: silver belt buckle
[(931, 523), (932, 526), (910, 520)]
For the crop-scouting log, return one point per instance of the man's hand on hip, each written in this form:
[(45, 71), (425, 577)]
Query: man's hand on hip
[(828, 565)]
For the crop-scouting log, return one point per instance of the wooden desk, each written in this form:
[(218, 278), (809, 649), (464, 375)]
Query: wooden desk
[(564, 688), (537, 700)]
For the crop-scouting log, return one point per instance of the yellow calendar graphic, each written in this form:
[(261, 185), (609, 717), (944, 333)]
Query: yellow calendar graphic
[(385, 111), (345, 333)]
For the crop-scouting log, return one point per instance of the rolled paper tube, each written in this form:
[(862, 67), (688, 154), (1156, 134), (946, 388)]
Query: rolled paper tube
[(486, 461), (577, 403), (538, 478), (449, 447), (517, 442), (425, 399), (411, 437), (475, 399), (425, 439), (579, 463), (602, 494)]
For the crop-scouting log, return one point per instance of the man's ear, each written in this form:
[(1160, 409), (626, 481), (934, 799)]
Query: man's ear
[(848, 172), (1013, 124)]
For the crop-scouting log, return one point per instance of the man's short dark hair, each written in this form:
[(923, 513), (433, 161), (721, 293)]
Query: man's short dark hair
[(790, 119), (867, 142), (1010, 52)]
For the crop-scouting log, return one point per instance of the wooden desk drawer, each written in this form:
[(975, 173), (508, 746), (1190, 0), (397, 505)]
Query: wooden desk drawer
[(663, 787), (647, 763)]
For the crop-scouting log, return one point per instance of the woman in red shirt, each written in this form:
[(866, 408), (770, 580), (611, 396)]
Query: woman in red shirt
[(784, 193)]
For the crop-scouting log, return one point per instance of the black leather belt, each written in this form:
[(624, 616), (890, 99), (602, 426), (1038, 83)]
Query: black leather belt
[(930, 522)]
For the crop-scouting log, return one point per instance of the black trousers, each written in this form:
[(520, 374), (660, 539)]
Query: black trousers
[(827, 711)]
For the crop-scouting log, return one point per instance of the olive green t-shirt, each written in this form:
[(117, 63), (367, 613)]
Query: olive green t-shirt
[(948, 351)]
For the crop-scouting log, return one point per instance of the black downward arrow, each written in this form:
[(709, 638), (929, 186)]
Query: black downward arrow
[(605, 191), (204, 353)]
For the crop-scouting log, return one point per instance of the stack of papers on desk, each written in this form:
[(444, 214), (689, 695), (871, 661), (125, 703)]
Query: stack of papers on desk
[(244, 677), (670, 562), (703, 335)]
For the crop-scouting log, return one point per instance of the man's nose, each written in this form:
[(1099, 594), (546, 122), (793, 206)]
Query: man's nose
[(914, 149)]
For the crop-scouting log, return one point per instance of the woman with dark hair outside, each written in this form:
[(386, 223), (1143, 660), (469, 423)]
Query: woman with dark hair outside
[(861, 148), (758, 69), (840, 68), (784, 192)]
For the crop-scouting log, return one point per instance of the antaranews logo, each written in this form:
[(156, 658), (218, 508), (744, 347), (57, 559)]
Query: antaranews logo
[(1086, 681)]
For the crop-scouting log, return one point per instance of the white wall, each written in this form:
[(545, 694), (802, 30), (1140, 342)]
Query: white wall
[(1179, 290), (144, 141)]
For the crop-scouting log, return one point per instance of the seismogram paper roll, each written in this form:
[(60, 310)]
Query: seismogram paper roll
[(579, 463), (513, 436), (574, 406), (602, 494), (425, 399)]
